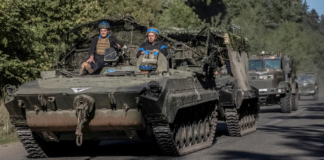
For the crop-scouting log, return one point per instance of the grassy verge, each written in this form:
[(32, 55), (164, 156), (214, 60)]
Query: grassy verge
[(7, 134), (12, 137)]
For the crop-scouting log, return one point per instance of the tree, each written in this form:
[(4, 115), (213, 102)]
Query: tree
[(321, 25), (313, 19), (178, 14)]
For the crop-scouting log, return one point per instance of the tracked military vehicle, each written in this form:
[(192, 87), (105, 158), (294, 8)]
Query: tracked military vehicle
[(308, 85), (175, 100), (274, 77)]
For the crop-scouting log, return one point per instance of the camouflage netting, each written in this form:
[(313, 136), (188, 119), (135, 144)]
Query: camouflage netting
[(124, 29), (197, 40), (236, 42), (128, 32)]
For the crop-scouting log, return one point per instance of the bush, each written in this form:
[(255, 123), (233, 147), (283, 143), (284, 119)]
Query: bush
[(7, 133)]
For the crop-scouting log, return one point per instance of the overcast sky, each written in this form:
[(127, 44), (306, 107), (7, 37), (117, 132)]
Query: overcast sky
[(318, 5)]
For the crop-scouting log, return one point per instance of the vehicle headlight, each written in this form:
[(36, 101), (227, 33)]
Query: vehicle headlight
[(262, 77)]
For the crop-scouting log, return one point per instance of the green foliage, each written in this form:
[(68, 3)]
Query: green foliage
[(302, 44), (7, 133), (277, 25), (178, 14), (29, 34), (30, 30), (12, 137), (321, 25)]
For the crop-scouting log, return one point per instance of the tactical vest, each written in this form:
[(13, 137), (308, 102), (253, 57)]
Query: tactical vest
[(102, 44)]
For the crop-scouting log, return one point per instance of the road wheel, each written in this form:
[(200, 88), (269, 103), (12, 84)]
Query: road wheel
[(294, 102), (285, 103)]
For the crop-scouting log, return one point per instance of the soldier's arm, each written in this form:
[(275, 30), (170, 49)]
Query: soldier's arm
[(164, 49), (92, 48), (115, 42), (141, 49)]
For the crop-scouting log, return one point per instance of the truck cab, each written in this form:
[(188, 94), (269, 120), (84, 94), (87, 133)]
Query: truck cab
[(273, 76), (308, 85)]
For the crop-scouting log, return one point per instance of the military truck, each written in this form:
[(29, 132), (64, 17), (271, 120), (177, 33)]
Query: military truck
[(177, 100), (274, 77), (308, 85)]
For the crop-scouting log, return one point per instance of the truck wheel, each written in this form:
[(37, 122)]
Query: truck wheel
[(315, 97), (285, 103), (294, 102)]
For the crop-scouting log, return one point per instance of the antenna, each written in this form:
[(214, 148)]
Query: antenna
[(132, 34)]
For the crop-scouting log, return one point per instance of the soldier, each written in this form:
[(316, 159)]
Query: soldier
[(97, 49), (152, 43), (155, 45)]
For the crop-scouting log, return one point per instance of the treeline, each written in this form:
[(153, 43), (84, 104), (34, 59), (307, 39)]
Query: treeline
[(287, 26), (30, 29)]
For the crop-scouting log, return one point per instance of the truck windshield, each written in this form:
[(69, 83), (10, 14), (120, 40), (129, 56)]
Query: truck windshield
[(255, 64), (305, 78), (272, 64)]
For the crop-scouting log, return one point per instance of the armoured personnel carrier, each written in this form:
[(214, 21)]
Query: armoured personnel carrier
[(308, 85), (177, 99), (274, 77)]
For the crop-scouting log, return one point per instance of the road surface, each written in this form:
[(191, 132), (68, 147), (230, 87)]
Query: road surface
[(298, 135)]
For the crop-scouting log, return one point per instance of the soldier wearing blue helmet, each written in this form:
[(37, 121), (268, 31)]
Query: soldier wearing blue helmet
[(152, 43), (97, 49)]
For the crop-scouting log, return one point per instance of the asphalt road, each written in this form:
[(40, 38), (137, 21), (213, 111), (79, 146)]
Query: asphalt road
[(298, 135)]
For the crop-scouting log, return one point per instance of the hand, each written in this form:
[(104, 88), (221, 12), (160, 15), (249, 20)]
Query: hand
[(155, 50), (118, 46), (142, 52), (216, 73), (90, 60)]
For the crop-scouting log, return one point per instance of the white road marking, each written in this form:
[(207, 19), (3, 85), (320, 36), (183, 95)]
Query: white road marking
[(77, 90)]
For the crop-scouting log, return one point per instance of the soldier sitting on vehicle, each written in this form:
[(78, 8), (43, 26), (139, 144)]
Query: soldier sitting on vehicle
[(97, 49), (155, 45), (152, 43)]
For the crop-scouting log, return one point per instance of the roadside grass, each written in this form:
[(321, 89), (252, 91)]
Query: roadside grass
[(5, 139), (7, 132)]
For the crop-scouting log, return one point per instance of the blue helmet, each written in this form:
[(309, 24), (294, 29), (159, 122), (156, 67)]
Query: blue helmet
[(104, 25), (152, 30)]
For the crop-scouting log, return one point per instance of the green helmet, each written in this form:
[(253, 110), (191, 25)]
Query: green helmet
[(104, 25)]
